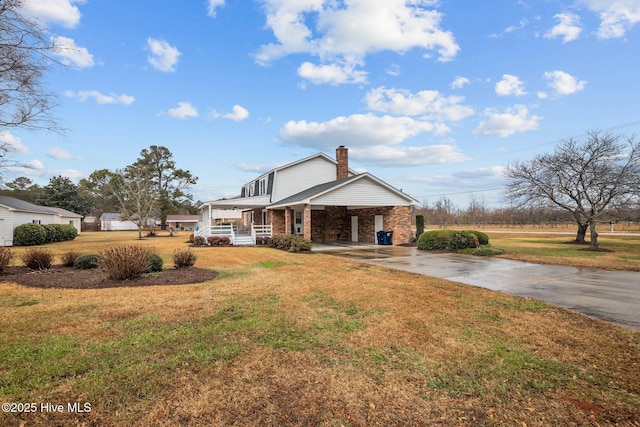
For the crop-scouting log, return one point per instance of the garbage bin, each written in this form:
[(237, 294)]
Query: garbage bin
[(387, 237), (380, 236)]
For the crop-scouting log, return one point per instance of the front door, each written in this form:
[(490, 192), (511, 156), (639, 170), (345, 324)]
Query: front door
[(354, 228), (298, 222)]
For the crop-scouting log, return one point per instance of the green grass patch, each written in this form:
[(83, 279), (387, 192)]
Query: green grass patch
[(134, 366)]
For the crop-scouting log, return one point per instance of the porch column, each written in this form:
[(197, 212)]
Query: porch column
[(287, 221), (307, 222)]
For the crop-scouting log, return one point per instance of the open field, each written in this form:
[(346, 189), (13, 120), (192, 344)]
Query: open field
[(621, 252), (310, 339)]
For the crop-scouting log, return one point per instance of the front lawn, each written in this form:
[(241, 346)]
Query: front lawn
[(306, 339)]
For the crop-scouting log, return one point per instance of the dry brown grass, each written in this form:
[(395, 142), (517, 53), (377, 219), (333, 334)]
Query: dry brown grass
[(287, 339)]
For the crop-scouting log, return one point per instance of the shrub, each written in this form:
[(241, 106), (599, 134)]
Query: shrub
[(293, 243), (218, 240), (29, 235), (6, 256), (191, 238), (51, 233), (435, 240), (299, 244), (66, 231), (486, 250), (462, 240), (124, 262), (483, 239), (199, 241), (183, 258), (37, 259), (69, 258), (263, 240), (155, 263), (86, 262)]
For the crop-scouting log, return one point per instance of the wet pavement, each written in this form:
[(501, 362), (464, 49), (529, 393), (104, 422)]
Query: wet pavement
[(613, 296)]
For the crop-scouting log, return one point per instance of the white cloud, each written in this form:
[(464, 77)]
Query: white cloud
[(427, 103), (70, 54), (459, 82), (100, 98), (212, 6), (510, 85), (62, 12), (564, 83), (390, 156), (357, 131), (61, 154), (346, 32), (513, 120), (239, 114), (568, 28), (617, 16), (34, 164), (12, 143), (332, 74), (164, 57), (183, 110)]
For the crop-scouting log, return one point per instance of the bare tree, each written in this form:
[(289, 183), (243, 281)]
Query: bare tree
[(25, 56), (26, 53), (582, 177), (136, 194)]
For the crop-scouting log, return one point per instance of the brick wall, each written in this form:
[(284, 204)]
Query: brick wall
[(334, 224)]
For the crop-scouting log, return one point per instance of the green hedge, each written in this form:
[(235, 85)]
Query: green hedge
[(291, 243), (37, 234), (450, 240), (435, 240), (29, 235)]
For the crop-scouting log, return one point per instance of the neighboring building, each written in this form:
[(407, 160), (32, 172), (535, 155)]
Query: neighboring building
[(112, 221), (15, 212), (183, 222), (323, 200)]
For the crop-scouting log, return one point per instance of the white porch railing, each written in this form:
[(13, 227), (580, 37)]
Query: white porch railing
[(261, 231), (230, 232)]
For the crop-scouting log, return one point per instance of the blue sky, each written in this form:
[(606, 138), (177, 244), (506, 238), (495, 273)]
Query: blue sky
[(435, 97)]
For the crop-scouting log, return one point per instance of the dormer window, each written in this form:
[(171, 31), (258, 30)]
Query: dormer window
[(251, 190), (263, 187)]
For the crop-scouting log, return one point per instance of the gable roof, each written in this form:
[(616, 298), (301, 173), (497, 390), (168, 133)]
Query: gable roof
[(20, 205), (304, 197)]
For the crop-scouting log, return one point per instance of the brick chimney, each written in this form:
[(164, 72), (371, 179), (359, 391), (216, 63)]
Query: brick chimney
[(342, 156)]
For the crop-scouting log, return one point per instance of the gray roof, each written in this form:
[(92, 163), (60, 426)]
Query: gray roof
[(21, 205)]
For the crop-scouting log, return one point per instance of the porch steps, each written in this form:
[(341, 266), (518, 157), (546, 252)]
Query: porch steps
[(243, 240)]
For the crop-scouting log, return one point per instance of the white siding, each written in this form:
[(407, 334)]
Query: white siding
[(363, 192), (302, 176)]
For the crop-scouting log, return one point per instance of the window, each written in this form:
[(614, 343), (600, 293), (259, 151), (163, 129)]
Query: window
[(36, 221), (251, 190), (263, 186)]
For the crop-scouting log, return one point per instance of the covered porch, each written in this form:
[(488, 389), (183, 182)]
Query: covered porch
[(244, 230)]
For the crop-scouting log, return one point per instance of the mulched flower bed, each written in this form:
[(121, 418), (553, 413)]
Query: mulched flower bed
[(73, 278)]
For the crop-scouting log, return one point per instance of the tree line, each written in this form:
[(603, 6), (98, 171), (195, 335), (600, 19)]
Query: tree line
[(151, 187)]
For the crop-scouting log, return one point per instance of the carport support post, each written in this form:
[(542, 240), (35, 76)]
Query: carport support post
[(307, 222)]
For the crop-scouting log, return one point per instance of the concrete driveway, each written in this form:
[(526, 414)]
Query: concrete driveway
[(613, 296)]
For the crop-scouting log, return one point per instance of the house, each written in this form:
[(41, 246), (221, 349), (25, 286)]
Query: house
[(15, 212), (182, 222), (112, 221), (320, 198)]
